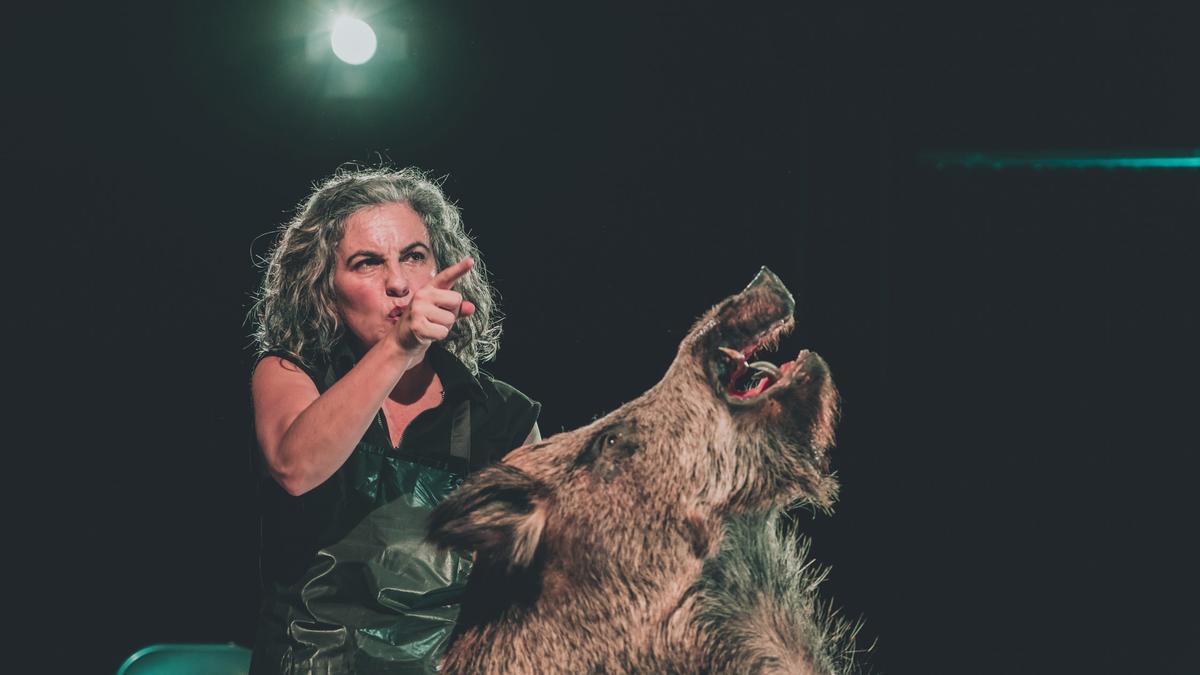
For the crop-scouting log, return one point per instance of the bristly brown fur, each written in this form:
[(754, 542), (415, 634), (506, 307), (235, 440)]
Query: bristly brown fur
[(646, 541), (749, 598)]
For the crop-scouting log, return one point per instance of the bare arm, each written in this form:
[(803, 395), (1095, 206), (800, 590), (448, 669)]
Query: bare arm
[(306, 436)]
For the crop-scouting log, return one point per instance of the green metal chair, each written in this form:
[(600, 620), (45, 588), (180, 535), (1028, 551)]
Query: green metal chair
[(184, 659)]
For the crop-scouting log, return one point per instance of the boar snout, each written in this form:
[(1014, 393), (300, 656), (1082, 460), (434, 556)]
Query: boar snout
[(781, 417)]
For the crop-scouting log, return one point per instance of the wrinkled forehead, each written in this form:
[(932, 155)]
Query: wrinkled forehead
[(383, 227)]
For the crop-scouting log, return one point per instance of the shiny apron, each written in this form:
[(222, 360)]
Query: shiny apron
[(380, 599)]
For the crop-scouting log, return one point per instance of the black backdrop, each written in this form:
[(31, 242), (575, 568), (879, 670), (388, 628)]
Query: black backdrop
[(1015, 348)]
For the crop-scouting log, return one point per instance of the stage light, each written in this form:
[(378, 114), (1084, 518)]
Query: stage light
[(353, 40)]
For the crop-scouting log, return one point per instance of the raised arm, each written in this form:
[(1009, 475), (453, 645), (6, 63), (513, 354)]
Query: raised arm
[(306, 436)]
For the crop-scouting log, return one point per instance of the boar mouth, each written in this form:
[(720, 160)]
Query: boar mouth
[(742, 380), (730, 337)]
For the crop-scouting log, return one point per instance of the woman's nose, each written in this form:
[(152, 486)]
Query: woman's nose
[(396, 283)]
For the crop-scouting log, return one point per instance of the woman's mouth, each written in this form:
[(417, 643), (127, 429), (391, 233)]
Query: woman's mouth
[(395, 313)]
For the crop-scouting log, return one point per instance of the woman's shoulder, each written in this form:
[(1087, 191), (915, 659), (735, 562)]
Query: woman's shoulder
[(512, 414), (278, 360), (504, 392)]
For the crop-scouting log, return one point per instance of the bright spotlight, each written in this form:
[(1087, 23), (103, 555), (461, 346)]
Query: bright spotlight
[(353, 40)]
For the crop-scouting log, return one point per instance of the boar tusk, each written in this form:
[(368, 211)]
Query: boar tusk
[(734, 354), (767, 367)]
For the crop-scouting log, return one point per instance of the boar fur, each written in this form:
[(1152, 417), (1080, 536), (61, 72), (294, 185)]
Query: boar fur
[(649, 540)]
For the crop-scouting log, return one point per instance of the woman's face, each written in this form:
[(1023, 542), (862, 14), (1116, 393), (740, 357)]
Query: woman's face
[(383, 258)]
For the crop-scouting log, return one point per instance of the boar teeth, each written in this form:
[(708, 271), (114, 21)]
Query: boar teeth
[(772, 342), (770, 369)]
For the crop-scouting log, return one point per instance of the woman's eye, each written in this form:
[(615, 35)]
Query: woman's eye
[(414, 256), (366, 261)]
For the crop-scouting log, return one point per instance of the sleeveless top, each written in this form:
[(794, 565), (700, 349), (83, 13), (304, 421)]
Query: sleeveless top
[(349, 583)]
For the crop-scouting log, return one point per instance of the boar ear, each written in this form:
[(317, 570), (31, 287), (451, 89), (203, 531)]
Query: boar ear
[(499, 512)]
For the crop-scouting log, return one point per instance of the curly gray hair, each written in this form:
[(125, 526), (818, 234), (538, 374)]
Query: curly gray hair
[(295, 310)]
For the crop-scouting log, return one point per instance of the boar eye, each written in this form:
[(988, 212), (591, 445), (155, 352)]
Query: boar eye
[(593, 449), (614, 443)]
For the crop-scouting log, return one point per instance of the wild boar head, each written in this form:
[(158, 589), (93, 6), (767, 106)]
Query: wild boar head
[(721, 434)]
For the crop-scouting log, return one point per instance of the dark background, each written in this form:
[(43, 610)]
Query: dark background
[(1015, 348)]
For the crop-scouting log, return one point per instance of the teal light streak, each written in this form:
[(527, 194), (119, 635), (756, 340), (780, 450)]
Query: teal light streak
[(1181, 159)]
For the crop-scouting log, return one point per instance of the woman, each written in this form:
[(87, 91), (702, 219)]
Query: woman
[(369, 407)]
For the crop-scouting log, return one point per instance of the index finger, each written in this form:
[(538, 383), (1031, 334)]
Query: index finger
[(446, 278)]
